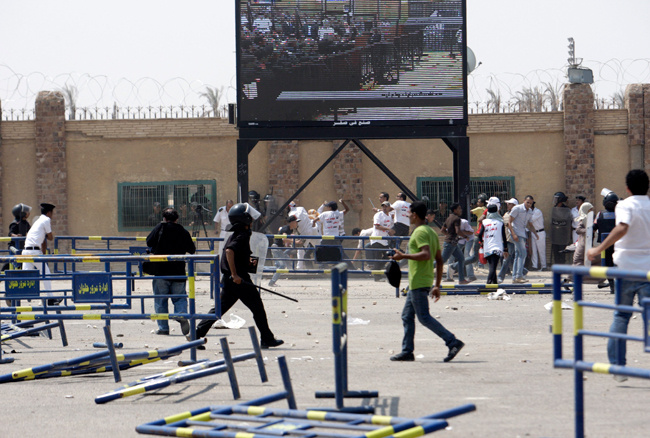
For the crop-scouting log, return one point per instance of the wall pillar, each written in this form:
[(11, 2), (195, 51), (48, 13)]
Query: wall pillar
[(348, 175), (284, 169), (580, 169), (634, 103), (51, 167)]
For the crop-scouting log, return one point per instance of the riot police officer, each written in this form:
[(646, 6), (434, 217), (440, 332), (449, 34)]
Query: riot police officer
[(236, 265), (605, 223), (560, 232)]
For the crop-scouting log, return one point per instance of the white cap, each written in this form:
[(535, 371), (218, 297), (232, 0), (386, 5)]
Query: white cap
[(494, 201), (512, 201)]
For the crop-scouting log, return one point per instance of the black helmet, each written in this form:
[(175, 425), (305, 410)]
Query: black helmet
[(559, 197), (609, 201), (482, 197), (239, 214), (253, 195), (20, 211)]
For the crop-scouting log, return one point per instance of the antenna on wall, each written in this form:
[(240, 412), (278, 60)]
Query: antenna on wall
[(577, 74)]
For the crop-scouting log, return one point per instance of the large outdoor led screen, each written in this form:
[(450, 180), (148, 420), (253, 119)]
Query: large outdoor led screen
[(351, 63)]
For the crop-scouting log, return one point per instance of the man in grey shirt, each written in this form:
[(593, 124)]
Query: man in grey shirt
[(520, 217)]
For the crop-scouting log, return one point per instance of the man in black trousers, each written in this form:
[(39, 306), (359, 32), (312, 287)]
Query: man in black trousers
[(235, 266)]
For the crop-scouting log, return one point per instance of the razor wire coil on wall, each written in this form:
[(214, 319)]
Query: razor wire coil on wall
[(98, 97)]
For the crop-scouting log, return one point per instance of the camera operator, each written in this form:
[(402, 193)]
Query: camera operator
[(198, 220)]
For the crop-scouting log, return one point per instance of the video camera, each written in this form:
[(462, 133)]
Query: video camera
[(200, 208)]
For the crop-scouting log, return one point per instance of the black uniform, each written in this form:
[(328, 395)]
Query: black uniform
[(239, 243), (19, 227), (560, 233), (605, 223)]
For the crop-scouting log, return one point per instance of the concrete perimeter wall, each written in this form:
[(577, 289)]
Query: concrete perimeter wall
[(536, 149)]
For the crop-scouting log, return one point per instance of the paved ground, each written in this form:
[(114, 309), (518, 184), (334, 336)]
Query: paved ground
[(505, 369)]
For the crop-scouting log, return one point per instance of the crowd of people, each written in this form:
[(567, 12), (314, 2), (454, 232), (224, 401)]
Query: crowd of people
[(510, 238), (515, 240)]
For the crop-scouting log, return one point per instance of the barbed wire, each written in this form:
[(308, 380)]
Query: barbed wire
[(97, 97), (610, 79)]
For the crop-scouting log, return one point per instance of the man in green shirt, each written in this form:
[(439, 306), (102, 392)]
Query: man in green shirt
[(423, 250)]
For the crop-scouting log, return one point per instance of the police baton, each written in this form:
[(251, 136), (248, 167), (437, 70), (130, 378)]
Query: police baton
[(269, 290)]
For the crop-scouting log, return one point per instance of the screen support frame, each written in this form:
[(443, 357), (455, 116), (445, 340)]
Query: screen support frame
[(459, 147)]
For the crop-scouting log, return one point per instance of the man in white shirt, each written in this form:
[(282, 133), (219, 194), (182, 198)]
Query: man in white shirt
[(538, 258), (331, 220), (382, 225), (575, 212), (221, 222), (631, 240), (360, 233), (519, 222), (36, 245), (306, 227), (401, 212)]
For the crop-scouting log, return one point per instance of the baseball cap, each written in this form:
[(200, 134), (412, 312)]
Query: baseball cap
[(512, 201), (385, 203), (494, 201), (293, 218)]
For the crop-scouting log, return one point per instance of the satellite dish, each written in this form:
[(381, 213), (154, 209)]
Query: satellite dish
[(471, 61)]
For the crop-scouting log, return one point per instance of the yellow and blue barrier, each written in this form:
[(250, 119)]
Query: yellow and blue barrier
[(192, 372), (484, 289), (11, 331), (94, 290), (252, 420), (96, 362), (340, 345), (578, 364)]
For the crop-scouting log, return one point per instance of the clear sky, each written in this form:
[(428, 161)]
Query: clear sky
[(164, 51)]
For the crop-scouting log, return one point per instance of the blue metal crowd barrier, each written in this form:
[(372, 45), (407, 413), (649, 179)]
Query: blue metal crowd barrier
[(194, 371), (578, 364), (94, 290), (340, 345), (116, 245), (252, 420)]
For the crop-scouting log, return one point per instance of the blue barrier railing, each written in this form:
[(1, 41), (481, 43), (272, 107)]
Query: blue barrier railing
[(113, 245), (578, 364), (292, 258), (340, 345), (103, 300), (110, 245)]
